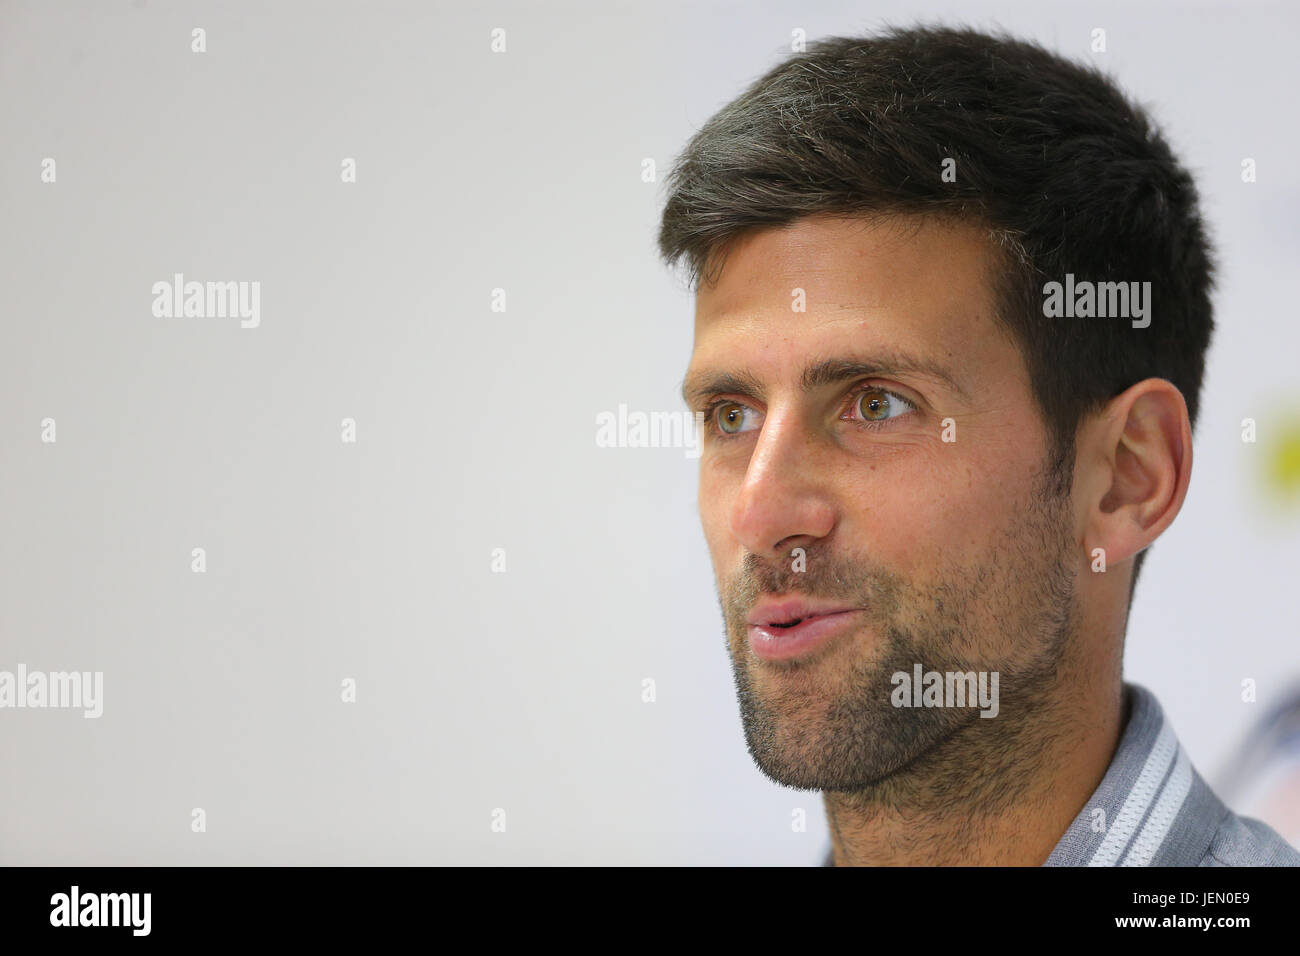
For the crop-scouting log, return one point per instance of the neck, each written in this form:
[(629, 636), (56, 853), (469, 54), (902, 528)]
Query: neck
[(987, 795)]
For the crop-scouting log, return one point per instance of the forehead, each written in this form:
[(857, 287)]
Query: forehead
[(898, 283)]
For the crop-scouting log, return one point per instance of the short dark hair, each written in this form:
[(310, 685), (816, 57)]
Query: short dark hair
[(1068, 176)]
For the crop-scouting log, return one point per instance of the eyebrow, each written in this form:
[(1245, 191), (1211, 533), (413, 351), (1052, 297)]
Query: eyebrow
[(697, 387)]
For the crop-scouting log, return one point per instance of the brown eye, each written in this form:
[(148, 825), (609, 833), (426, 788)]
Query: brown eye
[(873, 403), (731, 418)]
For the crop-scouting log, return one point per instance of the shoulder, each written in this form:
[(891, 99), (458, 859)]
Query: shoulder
[(1245, 841), (1157, 810)]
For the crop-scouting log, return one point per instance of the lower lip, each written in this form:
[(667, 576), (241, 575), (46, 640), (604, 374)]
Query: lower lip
[(784, 643)]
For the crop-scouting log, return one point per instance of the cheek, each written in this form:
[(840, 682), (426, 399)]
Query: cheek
[(939, 508), (715, 495)]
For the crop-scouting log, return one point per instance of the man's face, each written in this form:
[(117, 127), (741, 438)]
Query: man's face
[(875, 453)]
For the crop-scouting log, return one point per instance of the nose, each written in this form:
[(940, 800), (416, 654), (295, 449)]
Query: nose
[(784, 501)]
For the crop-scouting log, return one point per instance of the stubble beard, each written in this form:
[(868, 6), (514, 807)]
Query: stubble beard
[(1012, 612)]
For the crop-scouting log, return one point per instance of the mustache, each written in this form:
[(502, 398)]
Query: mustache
[(815, 573)]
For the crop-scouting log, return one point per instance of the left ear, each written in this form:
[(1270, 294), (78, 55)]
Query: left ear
[(1134, 462)]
